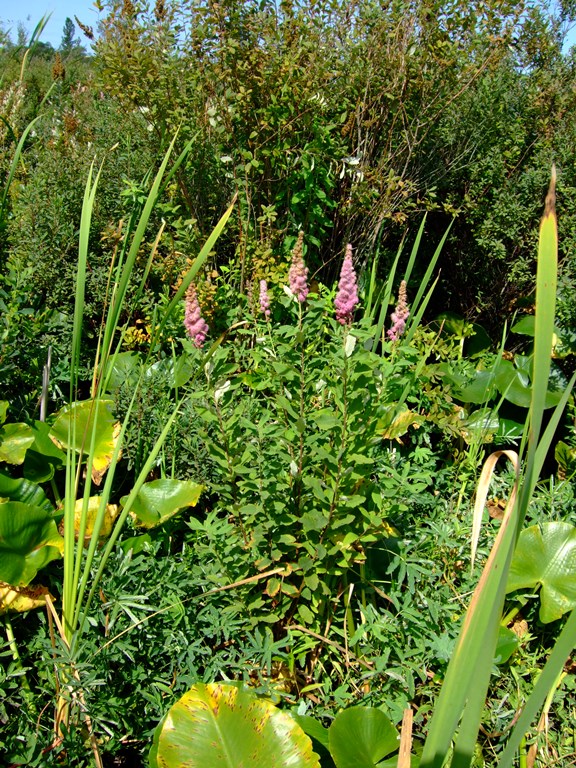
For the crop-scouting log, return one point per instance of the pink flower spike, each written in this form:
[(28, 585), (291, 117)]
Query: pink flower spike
[(194, 323), (346, 299), (264, 299), (400, 315), (298, 272)]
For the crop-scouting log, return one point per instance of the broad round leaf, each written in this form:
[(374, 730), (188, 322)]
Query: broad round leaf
[(110, 515), (29, 540), (43, 456), (20, 489), (73, 428), (15, 439), (546, 555), (22, 599), (480, 390), (514, 382), (160, 500), (360, 737), (222, 726), (124, 368)]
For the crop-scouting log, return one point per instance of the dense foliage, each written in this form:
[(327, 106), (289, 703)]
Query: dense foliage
[(275, 483)]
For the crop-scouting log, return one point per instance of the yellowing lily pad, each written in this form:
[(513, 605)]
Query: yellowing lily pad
[(74, 427), (21, 599), (110, 515)]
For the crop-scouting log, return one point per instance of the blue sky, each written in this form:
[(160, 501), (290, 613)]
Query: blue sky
[(29, 12)]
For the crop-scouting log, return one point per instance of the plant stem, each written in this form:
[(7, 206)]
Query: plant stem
[(26, 690)]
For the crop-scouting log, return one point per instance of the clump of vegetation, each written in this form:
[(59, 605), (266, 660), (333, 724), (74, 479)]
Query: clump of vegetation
[(247, 444)]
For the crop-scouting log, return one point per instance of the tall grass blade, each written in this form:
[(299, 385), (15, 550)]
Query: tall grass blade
[(415, 249), (428, 274), (560, 653), (465, 687), (12, 170), (385, 302)]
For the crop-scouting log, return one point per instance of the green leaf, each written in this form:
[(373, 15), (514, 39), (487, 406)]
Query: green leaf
[(515, 383), (123, 367), (160, 500), (136, 544), (29, 540), (325, 419), (507, 644), (21, 489), (43, 457), (546, 555), (15, 439), (223, 726), (74, 425), (479, 390), (319, 736), (360, 737)]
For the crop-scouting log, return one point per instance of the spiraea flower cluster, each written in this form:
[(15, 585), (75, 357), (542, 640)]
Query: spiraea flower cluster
[(347, 297), (264, 299), (298, 273), (400, 314), (194, 323)]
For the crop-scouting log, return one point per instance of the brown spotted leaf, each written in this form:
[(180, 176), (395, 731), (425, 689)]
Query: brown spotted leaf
[(223, 726)]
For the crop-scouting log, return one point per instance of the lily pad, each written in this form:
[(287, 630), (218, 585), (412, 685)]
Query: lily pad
[(480, 390), (360, 737), (110, 515), (15, 439), (22, 599), (223, 726), (43, 457), (20, 489), (29, 540), (514, 382), (124, 368), (545, 556), (73, 428), (160, 500)]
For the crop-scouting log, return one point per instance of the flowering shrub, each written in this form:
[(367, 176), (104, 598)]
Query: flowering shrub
[(298, 273), (347, 296), (194, 323), (400, 314)]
